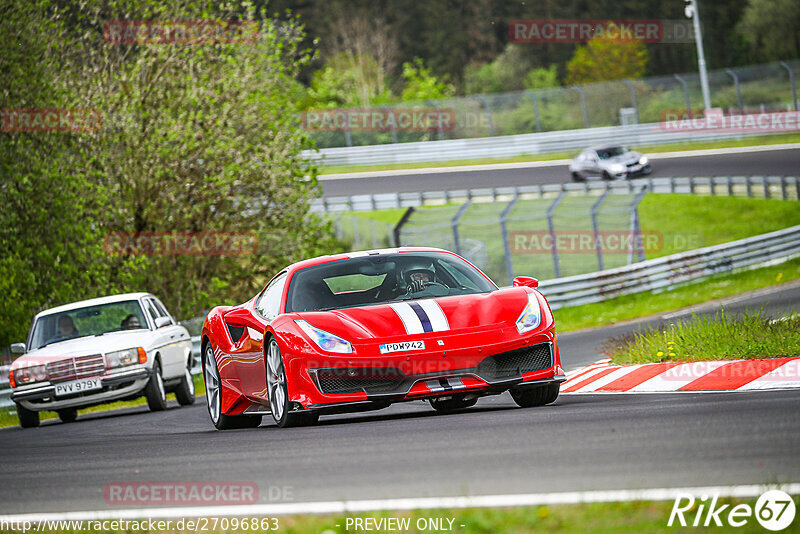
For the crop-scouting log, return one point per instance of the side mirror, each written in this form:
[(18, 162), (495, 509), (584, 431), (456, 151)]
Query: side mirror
[(161, 322), (18, 348), (525, 281)]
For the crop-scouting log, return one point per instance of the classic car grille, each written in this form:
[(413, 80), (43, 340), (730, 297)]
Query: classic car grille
[(516, 362), (72, 368), (356, 380)]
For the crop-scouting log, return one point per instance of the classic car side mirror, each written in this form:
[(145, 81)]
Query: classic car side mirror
[(525, 281), (162, 322), (18, 348)]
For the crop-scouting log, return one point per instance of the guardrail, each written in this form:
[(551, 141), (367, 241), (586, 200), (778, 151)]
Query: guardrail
[(663, 273), (517, 145), (782, 187)]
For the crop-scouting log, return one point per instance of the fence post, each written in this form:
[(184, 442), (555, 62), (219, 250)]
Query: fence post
[(783, 188), (504, 231), (766, 187), (390, 235), (632, 89), (393, 130), (733, 75), (356, 235), (535, 103), (339, 233), (402, 222), (730, 185), (347, 137), (791, 81), (685, 94), (636, 229), (454, 223), (596, 227), (582, 94), (551, 228), (438, 118), (374, 233), (485, 104)]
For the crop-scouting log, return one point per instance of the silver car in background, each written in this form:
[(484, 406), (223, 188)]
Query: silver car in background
[(610, 162), (97, 351)]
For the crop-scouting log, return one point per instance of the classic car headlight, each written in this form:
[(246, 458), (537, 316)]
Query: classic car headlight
[(325, 340), (27, 375), (125, 357), (643, 160), (617, 168), (531, 316)]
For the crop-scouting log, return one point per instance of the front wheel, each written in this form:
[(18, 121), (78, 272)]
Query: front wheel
[(278, 392), (214, 398), (536, 396), (576, 177), (154, 392), (185, 390), (27, 418)]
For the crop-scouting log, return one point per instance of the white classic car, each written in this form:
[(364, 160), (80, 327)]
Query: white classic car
[(98, 351)]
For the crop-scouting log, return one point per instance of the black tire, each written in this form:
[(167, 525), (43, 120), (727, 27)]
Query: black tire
[(185, 390), (576, 177), (68, 415), (536, 396), (27, 418), (154, 392), (214, 397), (278, 391), (452, 404), (606, 176)]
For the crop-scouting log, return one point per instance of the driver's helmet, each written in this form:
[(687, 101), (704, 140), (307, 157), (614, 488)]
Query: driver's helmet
[(418, 271)]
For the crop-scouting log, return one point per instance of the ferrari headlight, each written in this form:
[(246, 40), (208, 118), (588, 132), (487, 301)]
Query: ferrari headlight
[(643, 160), (325, 340), (531, 316), (27, 375), (122, 358)]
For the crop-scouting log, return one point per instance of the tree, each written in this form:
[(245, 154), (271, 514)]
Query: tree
[(772, 27), (421, 84), (542, 78), (606, 59)]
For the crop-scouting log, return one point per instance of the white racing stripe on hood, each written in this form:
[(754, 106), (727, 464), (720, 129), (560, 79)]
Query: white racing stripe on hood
[(410, 320), (435, 314), (421, 316)]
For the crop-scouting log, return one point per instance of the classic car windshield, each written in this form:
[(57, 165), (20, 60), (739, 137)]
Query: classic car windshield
[(89, 321), (383, 278)]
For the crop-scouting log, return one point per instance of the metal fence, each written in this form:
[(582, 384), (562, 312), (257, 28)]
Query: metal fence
[(553, 230), (624, 103), (668, 271)]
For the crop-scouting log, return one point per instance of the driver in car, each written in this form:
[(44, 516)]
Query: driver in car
[(131, 322), (418, 279), (66, 328)]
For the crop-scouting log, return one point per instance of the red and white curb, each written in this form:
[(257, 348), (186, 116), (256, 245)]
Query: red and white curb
[(721, 375)]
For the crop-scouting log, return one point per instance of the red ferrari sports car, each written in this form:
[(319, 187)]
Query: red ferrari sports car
[(360, 331)]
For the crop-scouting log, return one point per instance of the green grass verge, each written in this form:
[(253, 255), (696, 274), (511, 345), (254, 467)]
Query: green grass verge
[(703, 338), (9, 417), (649, 149), (643, 304), (637, 516)]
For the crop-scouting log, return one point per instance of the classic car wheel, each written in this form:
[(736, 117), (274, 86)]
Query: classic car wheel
[(154, 392), (185, 390), (27, 418), (576, 177), (68, 415), (539, 396), (452, 404), (214, 399), (278, 392)]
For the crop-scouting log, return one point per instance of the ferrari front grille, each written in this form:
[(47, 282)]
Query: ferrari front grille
[(357, 379), (515, 362)]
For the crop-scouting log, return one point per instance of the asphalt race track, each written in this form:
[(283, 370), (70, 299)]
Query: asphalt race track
[(784, 162), (582, 442)]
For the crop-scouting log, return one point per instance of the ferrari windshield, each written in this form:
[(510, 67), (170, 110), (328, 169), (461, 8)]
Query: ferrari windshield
[(89, 321), (381, 278)]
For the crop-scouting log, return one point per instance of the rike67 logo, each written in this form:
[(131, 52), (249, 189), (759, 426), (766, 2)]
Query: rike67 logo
[(774, 510)]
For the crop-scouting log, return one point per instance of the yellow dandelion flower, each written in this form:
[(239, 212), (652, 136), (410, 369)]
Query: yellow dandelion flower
[(544, 511), (659, 353), (672, 354)]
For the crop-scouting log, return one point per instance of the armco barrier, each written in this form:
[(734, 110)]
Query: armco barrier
[(779, 187), (662, 273), (516, 145)]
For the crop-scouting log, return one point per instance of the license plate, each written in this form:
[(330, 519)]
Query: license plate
[(78, 386), (402, 346)]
